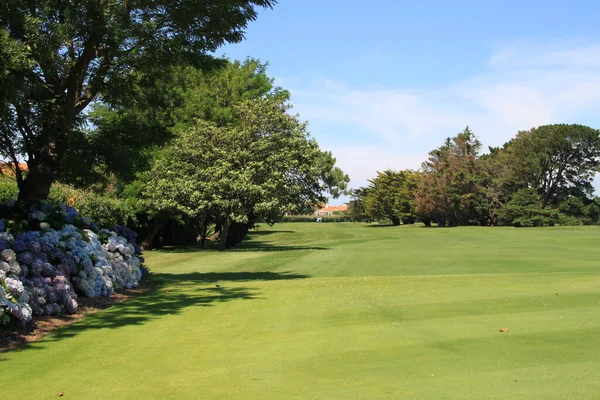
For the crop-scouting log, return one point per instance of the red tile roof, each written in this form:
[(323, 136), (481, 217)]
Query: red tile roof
[(331, 209)]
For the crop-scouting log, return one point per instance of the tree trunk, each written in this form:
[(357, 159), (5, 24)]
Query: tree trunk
[(36, 184), (546, 199), (225, 225), (395, 221), (158, 224), (203, 231), (43, 161)]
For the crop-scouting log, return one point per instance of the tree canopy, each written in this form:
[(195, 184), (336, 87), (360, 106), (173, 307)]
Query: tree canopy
[(555, 158), (259, 168), (451, 191), (59, 56), (125, 136), (391, 194), (542, 176)]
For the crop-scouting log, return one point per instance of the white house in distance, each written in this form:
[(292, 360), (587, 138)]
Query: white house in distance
[(326, 210)]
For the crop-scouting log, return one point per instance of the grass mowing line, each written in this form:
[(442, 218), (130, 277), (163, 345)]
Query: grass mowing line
[(421, 326)]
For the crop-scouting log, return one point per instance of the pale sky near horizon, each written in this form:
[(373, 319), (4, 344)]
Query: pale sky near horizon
[(382, 83)]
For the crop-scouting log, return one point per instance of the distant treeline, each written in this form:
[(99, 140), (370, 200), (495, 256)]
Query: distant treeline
[(541, 177)]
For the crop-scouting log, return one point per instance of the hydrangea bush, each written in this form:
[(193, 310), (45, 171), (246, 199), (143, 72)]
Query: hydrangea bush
[(49, 255)]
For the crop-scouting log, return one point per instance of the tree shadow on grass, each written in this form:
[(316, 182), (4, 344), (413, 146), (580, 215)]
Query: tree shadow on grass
[(250, 244), (213, 277), (261, 246), (191, 248), (382, 226), (262, 233), (240, 248), (169, 294), (212, 246), (443, 227)]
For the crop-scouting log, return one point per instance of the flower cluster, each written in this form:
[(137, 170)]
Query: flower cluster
[(14, 299), (42, 270), (124, 261), (22, 217), (131, 237)]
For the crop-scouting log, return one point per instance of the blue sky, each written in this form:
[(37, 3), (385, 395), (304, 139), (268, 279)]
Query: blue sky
[(384, 82)]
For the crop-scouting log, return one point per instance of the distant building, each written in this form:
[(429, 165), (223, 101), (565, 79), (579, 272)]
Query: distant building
[(325, 210)]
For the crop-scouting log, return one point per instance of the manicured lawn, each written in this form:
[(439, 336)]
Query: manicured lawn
[(341, 311)]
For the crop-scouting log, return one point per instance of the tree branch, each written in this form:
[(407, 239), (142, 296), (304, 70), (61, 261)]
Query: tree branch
[(94, 84), (26, 132), (74, 80)]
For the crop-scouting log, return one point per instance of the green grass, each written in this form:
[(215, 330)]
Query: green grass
[(341, 311)]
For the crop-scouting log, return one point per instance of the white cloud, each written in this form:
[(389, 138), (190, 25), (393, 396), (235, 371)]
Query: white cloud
[(361, 162), (549, 55), (520, 86)]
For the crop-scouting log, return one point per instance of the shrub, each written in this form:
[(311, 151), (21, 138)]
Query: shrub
[(525, 210), (50, 254), (569, 220), (104, 209), (8, 189)]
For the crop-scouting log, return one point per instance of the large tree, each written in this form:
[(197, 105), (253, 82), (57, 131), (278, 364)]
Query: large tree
[(500, 185), (258, 168), (186, 95), (525, 209), (452, 189), (125, 136), (557, 160), (391, 194), (65, 55)]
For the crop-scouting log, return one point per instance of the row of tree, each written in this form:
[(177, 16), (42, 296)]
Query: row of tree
[(122, 99), (542, 176)]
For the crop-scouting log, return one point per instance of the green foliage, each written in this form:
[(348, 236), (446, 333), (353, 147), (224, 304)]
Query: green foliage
[(333, 178), (554, 159), (356, 207), (129, 135), (541, 177), (525, 209), (569, 220), (497, 171), (102, 208), (63, 55), (572, 206), (126, 139), (391, 194), (61, 193), (263, 166), (452, 190), (592, 212), (559, 161), (8, 189), (222, 101), (214, 94)]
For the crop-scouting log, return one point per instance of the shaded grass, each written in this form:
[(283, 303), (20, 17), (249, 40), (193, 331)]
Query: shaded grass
[(391, 313)]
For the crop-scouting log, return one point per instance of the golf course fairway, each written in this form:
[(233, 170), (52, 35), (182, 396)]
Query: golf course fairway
[(341, 311)]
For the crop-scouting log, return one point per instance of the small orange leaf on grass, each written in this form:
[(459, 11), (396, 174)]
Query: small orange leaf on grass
[(504, 330), (60, 394)]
